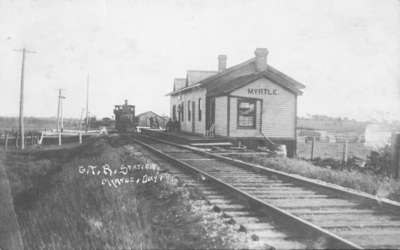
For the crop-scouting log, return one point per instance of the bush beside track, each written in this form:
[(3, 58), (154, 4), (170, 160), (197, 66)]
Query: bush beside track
[(365, 182)]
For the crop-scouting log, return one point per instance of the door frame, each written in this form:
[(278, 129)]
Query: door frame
[(210, 111), (193, 117)]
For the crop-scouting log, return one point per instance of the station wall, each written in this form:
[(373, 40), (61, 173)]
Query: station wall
[(221, 115), (192, 96), (278, 109)]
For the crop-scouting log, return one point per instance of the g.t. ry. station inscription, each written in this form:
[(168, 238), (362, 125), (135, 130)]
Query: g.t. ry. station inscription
[(262, 91), (115, 177)]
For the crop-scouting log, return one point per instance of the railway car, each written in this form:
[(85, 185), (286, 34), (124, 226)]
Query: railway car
[(125, 117)]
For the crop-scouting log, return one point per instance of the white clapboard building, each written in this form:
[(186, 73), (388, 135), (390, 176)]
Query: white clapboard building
[(377, 135), (248, 101)]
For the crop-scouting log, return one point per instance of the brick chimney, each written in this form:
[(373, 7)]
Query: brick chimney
[(261, 59), (221, 63)]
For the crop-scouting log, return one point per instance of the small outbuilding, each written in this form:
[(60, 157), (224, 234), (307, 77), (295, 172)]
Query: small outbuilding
[(149, 119), (377, 135), (250, 101)]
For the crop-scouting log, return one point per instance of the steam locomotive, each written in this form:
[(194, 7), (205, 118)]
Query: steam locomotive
[(125, 118)]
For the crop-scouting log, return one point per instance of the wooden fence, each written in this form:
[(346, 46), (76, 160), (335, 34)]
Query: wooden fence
[(344, 151), (339, 151), (13, 141)]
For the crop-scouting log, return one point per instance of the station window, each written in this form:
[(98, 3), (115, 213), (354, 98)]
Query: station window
[(246, 113), (179, 112), (199, 109), (180, 115), (174, 112), (183, 111), (188, 108)]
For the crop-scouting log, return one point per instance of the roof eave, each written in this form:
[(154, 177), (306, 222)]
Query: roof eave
[(295, 91), (195, 86), (298, 85), (226, 71)]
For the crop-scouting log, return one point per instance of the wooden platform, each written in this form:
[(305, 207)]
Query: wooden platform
[(186, 138)]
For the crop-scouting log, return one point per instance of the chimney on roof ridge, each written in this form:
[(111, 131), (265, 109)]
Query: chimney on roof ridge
[(261, 59), (221, 63)]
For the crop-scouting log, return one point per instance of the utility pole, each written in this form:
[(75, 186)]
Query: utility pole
[(60, 119), (21, 98), (87, 103), (80, 120), (58, 111)]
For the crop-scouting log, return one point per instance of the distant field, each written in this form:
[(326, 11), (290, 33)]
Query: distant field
[(331, 150), (35, 123), (331, 124)]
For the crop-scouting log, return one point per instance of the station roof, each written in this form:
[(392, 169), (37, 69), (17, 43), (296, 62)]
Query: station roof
[(195, 76), (220, 83), (179, 83)]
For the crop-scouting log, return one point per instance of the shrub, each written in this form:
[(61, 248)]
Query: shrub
[(379, 161), (365, 182)]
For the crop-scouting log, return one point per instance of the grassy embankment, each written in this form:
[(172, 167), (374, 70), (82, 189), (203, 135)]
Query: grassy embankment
[(60, 208), (373, 184), (10, 237)]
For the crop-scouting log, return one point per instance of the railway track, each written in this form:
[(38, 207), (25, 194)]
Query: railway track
[(263, 231), (335, 217)]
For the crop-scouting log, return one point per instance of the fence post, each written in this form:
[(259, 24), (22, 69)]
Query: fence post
[(59, 139), (395, 161), (16, 140), (345, 152), (6, 142), (31, 138), (40, 141), (312, 148)]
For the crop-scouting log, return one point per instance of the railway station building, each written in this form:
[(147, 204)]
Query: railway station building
[(249, 102)]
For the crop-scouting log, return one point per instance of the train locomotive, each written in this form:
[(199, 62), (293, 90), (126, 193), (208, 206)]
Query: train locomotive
[(125, 118)]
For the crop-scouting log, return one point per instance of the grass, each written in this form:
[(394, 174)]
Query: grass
[(10, 237), (59, 208), (373, 184)]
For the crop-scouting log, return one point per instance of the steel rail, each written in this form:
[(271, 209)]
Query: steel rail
[(334, 240), (392, 205)]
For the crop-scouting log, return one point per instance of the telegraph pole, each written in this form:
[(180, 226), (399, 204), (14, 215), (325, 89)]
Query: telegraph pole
[(80, 120), (21, 97), (58, 110), (60, 118), (87, 103)]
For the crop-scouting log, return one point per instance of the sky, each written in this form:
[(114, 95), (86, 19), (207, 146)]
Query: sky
[(346, 52)]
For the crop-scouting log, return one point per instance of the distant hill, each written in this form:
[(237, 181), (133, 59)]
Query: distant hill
[(331, 124), (339, 125)]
